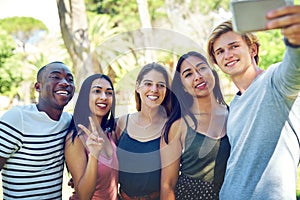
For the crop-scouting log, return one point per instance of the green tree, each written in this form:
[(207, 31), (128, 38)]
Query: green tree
[(16, 70), (271, 47), (22, 28), (125, 14), (10, 72)]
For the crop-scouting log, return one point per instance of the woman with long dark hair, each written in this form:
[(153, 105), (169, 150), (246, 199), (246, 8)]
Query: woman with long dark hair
[(195, 148), (90, 150)]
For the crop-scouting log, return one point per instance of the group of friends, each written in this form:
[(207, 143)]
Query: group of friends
[(183, 142)]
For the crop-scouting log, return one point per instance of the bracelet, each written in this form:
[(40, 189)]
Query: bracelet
[(287, 43)]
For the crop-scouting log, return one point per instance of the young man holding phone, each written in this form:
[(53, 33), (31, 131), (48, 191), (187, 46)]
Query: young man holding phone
[(264, 119)]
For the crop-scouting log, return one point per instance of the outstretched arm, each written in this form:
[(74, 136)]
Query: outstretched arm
[(287, 80)]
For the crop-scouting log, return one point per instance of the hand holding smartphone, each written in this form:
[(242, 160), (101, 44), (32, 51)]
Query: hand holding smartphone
[(250, 15)]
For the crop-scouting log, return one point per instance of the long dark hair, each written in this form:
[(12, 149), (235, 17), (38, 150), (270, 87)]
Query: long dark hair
[(82, 110), (181, 100)]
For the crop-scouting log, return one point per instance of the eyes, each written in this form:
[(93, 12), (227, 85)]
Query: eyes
[(58, 77), (219, 52), (158, 85), (200, 69), (108, 92)]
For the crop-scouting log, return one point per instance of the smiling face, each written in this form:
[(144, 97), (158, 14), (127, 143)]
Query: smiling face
[(196, 77), (100, 97), (152, 89), (55, 86), (233, 55)]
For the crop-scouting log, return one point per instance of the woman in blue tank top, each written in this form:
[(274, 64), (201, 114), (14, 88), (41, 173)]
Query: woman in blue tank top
[(139, 135), (195, 147)]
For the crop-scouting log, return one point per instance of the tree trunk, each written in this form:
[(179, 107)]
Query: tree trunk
[(146, 28), (74, 29)]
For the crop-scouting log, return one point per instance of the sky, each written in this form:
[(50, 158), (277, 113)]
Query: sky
[(44, 10)]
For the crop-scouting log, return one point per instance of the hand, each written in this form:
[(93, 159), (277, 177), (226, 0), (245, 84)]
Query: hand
[(71, 183), (288, 19), (94, 142)]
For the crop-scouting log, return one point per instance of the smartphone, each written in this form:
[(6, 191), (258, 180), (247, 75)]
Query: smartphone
[(250, 15)]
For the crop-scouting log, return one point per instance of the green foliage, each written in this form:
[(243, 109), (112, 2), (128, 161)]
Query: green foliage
[(27, 24), (118, 10), (10, 73), (124, 14), (13, 62), (272, 48), (22, 28), (207, 6)]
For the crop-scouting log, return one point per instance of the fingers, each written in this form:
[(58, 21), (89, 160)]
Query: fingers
[(94, 144), (282, 17), (95, 139), (287, 10), (71, 183), (86, 130), (288, 19), (93, 127), (292, 34)]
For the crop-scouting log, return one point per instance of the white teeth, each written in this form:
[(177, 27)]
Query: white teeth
[(231, 63), (200, 85), (152, 97), (102, 105), (62, 92)]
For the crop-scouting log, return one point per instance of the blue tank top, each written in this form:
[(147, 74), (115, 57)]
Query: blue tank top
[(139, 165)]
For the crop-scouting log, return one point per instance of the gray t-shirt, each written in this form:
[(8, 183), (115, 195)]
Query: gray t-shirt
[(264, 143)]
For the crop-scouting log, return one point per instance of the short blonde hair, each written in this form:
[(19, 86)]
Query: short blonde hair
[(225, 27)]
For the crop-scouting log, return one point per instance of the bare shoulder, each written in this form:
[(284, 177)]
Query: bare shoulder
[(73, 143), (177, 129), (120, 126)]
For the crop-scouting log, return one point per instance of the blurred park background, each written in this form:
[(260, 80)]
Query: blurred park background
[(104, 36)]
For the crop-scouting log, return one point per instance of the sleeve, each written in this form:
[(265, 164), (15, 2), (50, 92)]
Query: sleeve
[(11, 126), (287, 75)]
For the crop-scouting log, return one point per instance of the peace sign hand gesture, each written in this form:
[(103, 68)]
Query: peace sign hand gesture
[(94, 142)]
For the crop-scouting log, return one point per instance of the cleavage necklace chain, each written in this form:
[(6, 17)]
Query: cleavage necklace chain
[(201, 113), (145, 127)]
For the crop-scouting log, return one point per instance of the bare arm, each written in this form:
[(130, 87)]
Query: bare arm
[(170, 159), (83, 168), (77, 163)]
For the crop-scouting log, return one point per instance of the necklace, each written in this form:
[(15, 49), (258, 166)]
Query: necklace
[(137, 123), (147, 132), (201, 113)]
